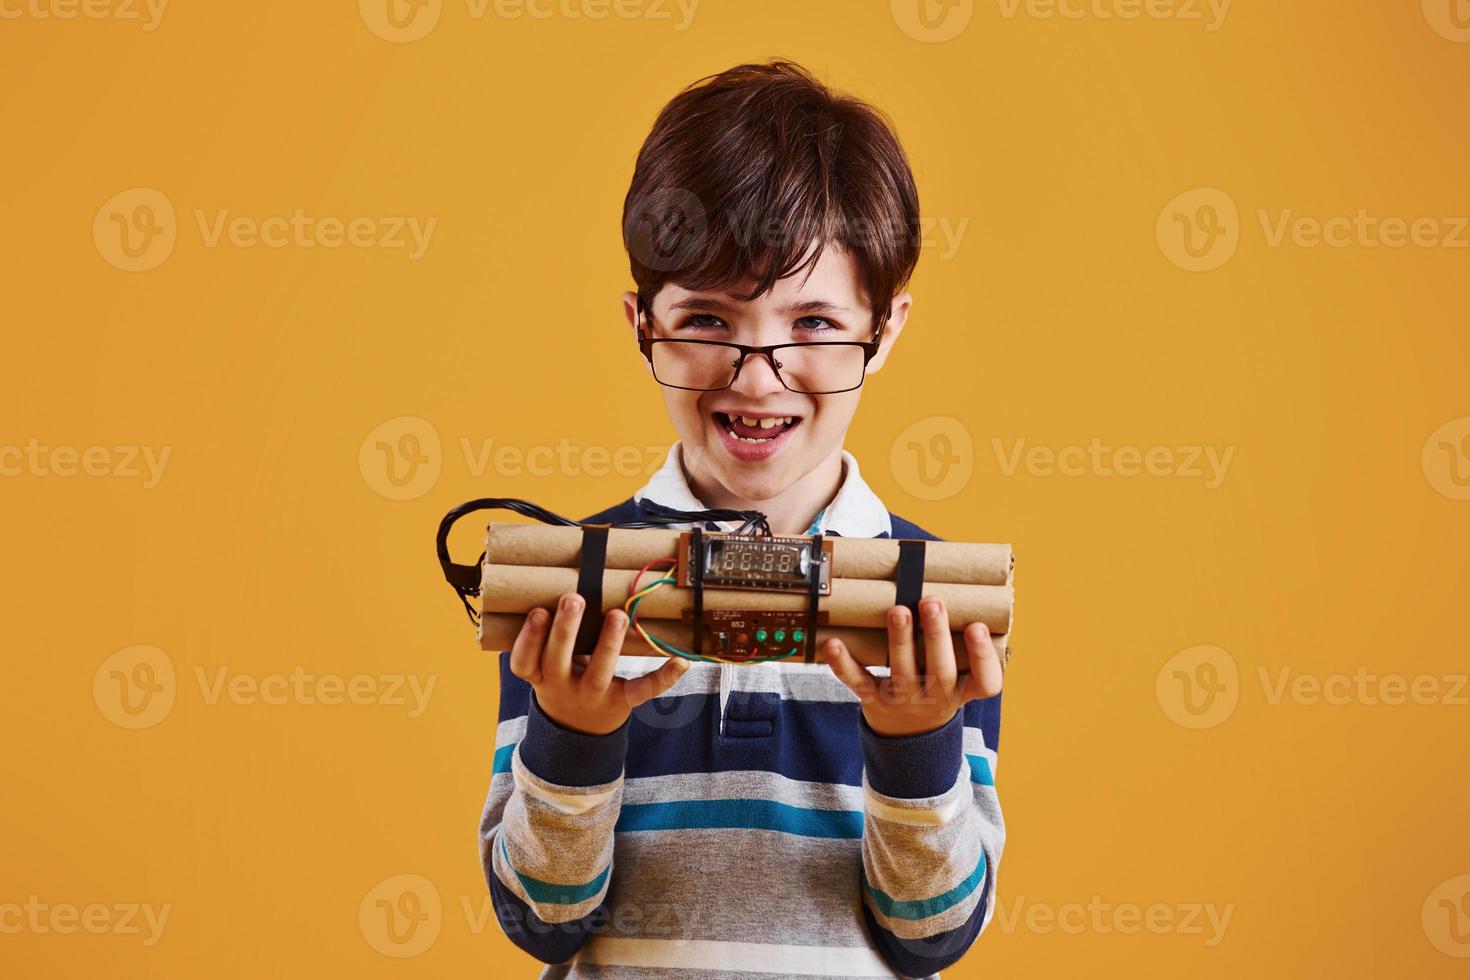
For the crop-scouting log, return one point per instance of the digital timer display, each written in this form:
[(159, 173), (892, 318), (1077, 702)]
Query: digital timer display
[(762, 562), (758, 560)]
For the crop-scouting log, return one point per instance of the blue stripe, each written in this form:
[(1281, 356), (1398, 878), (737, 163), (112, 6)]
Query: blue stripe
[(549, 893), (741, 814), (502, 758), (980, 770), (924, 907)]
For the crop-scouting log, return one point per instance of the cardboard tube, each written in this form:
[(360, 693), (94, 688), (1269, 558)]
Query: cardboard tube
[(869, 647), (854, 558), (853, 602)]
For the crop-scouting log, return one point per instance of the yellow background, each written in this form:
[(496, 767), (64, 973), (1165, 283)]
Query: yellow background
[(271, 544)]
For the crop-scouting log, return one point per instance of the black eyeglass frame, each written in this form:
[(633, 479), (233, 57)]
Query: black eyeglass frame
[(870, 350)]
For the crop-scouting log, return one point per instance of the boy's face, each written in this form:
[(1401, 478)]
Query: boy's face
[(761, 461)]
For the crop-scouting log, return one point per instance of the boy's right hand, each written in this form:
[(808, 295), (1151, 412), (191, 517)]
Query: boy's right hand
[(581, 693)]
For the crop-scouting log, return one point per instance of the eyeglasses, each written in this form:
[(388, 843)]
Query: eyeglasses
[(819, 367)]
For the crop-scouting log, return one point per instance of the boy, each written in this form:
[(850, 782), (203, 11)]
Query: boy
[(660, 817)]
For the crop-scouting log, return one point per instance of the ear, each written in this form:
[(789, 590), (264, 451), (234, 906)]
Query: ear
[(898, 315), (630, 309)]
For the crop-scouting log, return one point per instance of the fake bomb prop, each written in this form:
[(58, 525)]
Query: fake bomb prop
[(745, 596)]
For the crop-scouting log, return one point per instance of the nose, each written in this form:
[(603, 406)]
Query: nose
[(757, 377)]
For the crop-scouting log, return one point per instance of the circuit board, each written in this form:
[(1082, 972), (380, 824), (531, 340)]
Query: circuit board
[(749, 634)]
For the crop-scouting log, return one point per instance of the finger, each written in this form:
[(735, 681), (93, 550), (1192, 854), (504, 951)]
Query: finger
[(604, 659), (901, 666), (939, 663), (556, 661), (525, 654), (985, 671), (640, 689), (849, 671)]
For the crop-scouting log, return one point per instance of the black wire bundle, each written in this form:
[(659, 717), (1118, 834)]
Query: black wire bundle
[(466, 578)]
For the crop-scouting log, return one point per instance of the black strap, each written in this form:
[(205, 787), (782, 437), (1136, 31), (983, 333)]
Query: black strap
[(813, 596), (696, 579), (910, 586), (589, 585)]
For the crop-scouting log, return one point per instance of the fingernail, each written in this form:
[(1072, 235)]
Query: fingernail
[(901, 616), (538, 616)]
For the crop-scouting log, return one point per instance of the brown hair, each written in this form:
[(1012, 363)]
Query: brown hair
[(751, 173)]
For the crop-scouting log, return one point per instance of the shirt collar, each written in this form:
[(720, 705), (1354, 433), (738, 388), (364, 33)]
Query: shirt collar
[(856, 511)]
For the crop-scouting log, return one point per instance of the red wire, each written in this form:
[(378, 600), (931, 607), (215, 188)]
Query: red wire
[(642, 571)]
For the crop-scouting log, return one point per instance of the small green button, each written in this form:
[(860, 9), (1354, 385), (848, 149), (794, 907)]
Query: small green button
[(797, 636), (760, 636), (780, 635)]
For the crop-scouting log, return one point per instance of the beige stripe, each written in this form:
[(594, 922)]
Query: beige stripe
[(707, 954), (569, 803), (913, 816)]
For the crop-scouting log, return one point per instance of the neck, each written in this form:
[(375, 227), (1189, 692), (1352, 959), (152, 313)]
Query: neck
[(792, 510)]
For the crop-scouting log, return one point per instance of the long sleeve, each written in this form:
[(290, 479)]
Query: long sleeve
[(546, 834), (932, 838)]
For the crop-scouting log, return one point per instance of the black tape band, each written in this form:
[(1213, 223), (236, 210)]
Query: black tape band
[(910, 582), (696, 580), (589, 585), (813, 597)]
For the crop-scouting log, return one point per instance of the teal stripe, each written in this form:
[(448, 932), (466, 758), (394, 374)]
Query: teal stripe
[(741, 814), (502, 758), (549, 893), (980, 770), (925, 907)]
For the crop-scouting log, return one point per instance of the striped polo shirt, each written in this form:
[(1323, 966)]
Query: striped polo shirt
[(746, 823)]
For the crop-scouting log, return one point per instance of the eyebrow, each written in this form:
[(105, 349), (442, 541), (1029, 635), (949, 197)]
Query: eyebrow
[(805, 307)]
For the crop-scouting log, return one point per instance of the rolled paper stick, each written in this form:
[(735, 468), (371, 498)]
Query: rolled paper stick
[(853, 602), (857, 558), (498, 631)]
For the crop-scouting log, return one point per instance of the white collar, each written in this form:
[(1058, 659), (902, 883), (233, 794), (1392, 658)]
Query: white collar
[(856, 511)]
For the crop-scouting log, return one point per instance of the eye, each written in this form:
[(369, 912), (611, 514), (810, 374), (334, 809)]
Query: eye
[(816, 324), (702, 321)]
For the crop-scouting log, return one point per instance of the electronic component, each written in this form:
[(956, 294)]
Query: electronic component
[(765, 562)]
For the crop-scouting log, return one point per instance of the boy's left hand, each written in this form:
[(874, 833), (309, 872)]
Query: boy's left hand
[(905, 702)]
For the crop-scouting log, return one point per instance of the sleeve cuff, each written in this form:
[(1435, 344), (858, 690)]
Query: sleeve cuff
[(570, 758), (913, 767)]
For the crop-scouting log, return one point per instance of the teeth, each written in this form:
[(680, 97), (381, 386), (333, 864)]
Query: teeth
[(769, 423)]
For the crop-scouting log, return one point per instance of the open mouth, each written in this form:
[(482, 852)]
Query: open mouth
[(754, 436)]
